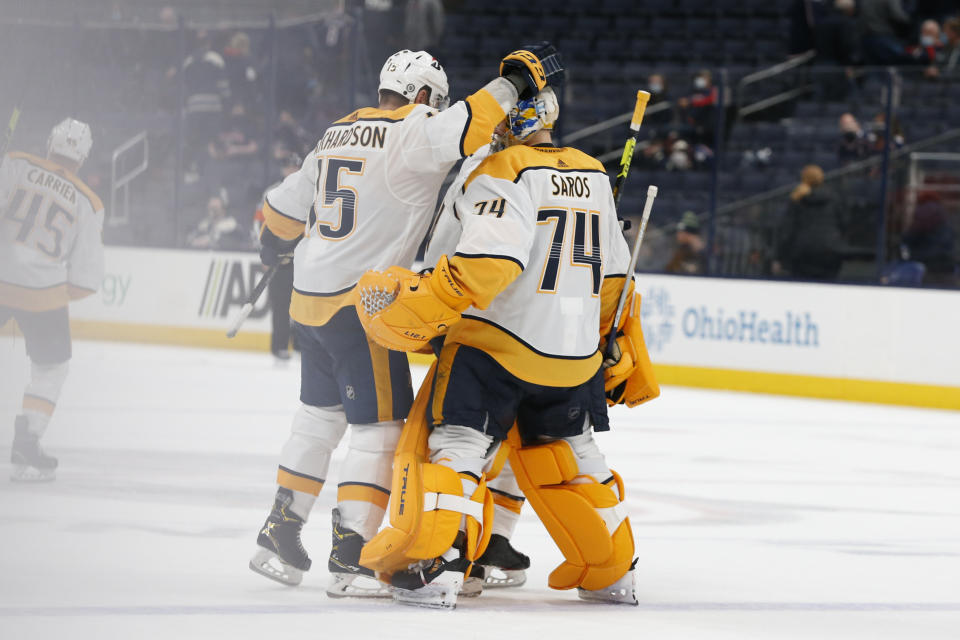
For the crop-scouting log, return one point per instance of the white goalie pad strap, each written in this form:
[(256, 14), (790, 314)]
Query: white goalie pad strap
[(612, 516), (433, 501)]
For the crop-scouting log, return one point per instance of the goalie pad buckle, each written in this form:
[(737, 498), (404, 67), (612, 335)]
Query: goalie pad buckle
[(426, 504)]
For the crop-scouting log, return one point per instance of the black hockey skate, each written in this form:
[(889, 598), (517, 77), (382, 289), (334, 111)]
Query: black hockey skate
[(504, 565), (437, 583), (347, 577), (281, 555), (30, 463)]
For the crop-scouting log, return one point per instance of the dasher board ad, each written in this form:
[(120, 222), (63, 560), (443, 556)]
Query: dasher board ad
[(189, 289), (868, 333)]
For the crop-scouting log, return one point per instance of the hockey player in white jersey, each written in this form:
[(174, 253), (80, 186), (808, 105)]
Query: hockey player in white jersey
[(363, 199), (50, 253), (503, 565), (525, 301)]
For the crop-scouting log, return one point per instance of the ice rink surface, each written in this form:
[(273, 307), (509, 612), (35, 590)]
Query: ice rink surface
[(755, 517)]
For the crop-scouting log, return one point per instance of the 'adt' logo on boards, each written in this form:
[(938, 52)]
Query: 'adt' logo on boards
[(228, 285)]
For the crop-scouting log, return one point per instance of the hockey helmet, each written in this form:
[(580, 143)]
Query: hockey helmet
[(407, 72), (71, 139), (531, 115)]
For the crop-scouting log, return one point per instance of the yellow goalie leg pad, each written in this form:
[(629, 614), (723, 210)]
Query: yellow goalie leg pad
[(426, 504), (584, 517)]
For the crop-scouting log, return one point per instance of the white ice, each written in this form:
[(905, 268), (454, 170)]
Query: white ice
[(754, 516)]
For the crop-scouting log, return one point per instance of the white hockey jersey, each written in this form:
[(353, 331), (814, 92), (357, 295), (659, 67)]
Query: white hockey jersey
[(446, 228), (543, 258), (365, 197), (51, 224)]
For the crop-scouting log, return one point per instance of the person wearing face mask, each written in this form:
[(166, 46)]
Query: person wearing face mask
[(657, 86), (927, 50), (697, 110), (950, 54)]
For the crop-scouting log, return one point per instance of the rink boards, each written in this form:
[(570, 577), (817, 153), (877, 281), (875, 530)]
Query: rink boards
[(890, 345)]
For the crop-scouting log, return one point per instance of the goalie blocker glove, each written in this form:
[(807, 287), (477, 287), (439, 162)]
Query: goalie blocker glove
[(533, 67)]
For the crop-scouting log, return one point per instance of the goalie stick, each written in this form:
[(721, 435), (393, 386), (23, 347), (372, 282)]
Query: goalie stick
[(641, 106)]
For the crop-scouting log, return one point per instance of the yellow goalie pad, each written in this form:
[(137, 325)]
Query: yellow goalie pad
[(426, 503), (584, 517)]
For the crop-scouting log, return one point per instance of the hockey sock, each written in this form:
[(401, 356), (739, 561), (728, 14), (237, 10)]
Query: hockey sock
[(42, 393), (364, 488), (305, 458)]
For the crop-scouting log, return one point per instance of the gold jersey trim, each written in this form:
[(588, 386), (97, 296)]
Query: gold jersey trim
[(373, 113), (316, 309), (519, 358), (511, 162), (281, 225), (52, 166), (29, 299), (484, 113)]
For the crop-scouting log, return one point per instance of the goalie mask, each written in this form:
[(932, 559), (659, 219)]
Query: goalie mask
[(71, 139), (529, 116), (407, 72)]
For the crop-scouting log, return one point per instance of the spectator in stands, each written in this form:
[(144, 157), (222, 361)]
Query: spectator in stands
[(698, 111), (217, 230), (805, 16), (837, 45), (238, 137), (689, 252), (927, 50), (241, 71), (207, 90), (881, 22), (423, 24), (853, 140), (811, 244), (929, 239), (658, 121), (877, 134), (950, 54)]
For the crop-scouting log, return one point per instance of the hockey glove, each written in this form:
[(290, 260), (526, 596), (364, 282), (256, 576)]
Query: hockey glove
[(532, 67), (274, 250), (402, 310)]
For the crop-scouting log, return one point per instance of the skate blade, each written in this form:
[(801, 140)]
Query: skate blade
[(623, 591), (497, 578), (472, 587), (347, 585), (28, 474), (269, 564), (436, 595)]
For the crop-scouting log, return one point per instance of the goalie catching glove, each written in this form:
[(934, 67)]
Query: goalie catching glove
[(403, 310)]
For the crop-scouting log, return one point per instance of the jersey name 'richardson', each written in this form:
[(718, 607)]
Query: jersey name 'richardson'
[(365, 196)]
